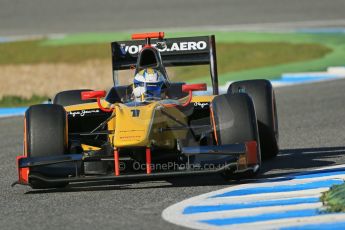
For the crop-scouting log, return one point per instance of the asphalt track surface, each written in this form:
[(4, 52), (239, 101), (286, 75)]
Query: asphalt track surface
[(22, 17), (310, 116), (311, 119)]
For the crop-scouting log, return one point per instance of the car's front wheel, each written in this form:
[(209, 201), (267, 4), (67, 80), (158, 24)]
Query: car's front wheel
[(234, 121), (46, 135)]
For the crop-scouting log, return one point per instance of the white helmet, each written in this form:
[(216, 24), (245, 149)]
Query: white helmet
[(148, 83)]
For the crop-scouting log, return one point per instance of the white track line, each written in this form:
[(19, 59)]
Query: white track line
[(174, 213), (263, 197), (289, 222), (251, 211)]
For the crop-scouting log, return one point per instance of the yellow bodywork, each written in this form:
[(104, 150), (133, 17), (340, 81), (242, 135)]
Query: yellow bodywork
[(144, 125), (147, 127)]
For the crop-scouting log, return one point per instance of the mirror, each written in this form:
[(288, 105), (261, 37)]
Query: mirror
[(194, 87), (86, 95)]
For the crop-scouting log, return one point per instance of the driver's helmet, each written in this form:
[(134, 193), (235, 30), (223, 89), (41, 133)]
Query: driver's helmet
[(148, 84)]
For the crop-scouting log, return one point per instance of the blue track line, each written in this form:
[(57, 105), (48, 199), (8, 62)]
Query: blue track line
[(3, 40), (308, 175), (281, 188), (263, 217), (227, 207), (334, 172), (12, 111), (303, 79)]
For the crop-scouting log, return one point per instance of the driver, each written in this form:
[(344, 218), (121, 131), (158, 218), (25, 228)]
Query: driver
[(148, 83)]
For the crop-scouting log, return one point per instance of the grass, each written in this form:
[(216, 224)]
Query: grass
[(333, 41), (336, 42), (17, 101), (334, 199), (44, 67), (233, 57), (32, 52)]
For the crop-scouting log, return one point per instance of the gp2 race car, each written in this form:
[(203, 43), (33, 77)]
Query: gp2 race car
[(86, 135)]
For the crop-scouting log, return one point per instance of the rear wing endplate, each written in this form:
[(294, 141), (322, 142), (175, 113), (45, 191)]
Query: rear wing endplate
[(183, 51)]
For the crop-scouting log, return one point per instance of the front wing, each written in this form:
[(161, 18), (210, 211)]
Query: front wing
[(67, 168)]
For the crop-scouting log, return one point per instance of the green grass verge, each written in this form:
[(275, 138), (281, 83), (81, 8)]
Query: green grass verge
[(335, 42), (16, 101), (241, 55), (234, 57), (32, 52), (334, 199)]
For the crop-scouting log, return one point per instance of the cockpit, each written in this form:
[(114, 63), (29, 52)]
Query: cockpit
[(147, 81)]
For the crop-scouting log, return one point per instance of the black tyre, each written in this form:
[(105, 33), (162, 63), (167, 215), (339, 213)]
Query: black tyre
[(235, 122), (71, 97), (262, 94), (46, 135)]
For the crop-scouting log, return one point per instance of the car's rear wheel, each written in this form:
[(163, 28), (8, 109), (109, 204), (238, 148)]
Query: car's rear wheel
[(262, 94), (234, 121), (46, 135)]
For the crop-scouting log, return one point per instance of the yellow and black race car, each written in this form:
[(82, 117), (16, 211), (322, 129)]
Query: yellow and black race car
[(147, 127)]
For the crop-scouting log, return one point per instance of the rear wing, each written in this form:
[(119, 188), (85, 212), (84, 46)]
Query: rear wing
[(183, 51)]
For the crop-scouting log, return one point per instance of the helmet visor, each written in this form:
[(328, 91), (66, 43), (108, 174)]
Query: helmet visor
[(153, 89)]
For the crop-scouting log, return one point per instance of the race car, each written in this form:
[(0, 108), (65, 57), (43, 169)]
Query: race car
[(147, 127)]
